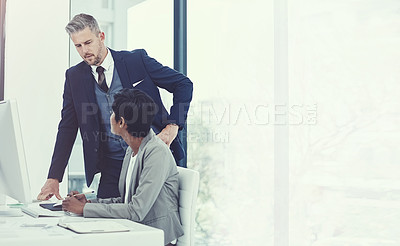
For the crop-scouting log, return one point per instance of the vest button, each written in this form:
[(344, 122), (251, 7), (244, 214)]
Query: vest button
[(95, 150)]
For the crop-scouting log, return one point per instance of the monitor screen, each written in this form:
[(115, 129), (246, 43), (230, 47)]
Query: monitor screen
[(14, 179)]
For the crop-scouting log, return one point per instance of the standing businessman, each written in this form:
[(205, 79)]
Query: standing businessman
[(88, 95)]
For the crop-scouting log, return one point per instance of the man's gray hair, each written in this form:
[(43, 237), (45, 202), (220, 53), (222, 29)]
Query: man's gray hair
[(80, 22)]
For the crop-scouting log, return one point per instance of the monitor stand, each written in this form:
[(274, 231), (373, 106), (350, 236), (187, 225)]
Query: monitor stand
[(5, 211)]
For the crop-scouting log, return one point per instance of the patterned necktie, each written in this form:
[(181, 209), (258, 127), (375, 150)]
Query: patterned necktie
[(102, 79)]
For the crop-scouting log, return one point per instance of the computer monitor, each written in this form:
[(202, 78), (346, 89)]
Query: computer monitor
[(14, 179)]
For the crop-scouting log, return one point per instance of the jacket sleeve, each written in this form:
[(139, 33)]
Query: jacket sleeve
[(152, 178), (66, 135), (174, 82), (107, 200)]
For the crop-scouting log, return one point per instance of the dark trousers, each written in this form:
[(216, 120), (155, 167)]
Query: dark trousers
[(110, 170)]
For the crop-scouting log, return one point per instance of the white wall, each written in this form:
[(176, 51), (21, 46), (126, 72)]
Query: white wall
[(36, 57)]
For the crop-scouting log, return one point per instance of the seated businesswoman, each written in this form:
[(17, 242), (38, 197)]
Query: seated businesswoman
[(148, 184)]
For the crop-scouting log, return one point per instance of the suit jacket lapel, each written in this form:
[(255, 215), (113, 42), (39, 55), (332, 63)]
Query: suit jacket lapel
[(136, 173), (137, 170), (89, 82), (121, 68)]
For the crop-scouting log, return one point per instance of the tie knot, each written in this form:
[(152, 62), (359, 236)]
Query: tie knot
[(100, 69)]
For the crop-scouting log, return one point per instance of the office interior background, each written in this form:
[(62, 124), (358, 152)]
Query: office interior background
[(294, 123)]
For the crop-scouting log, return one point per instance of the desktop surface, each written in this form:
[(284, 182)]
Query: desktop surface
[(27, 230)]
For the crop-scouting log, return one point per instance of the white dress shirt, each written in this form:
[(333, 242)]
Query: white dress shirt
[(108, 65)]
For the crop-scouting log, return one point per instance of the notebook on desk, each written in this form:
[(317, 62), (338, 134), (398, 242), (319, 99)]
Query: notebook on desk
[(97, 226)]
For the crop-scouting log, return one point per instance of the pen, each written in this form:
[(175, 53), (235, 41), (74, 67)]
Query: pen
[(59, 203), (86, 193)]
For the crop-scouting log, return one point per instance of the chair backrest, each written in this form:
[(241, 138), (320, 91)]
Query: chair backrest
[(188, 190)]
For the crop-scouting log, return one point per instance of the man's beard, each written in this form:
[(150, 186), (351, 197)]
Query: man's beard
[(97, 60)]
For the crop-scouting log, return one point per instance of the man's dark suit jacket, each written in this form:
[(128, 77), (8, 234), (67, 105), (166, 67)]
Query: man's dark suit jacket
[(80, 110)]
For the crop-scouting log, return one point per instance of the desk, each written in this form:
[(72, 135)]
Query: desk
[(11, 233)]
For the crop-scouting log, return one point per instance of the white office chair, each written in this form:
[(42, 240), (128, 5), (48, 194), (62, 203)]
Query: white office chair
[(188, 189)]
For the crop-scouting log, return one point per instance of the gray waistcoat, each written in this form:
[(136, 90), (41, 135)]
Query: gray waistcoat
[(113, 146)]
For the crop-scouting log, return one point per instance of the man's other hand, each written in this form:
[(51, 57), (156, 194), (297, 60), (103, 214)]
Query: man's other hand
[(50, 188), (168, 134)]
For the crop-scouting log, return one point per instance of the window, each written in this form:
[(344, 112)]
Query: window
[(2, 46), (230, 126), (343, 163)]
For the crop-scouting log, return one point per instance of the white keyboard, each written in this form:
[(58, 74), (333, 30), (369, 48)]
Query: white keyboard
[(36, 211)]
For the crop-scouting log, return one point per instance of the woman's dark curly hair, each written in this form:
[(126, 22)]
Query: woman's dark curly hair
[(137, 108)]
